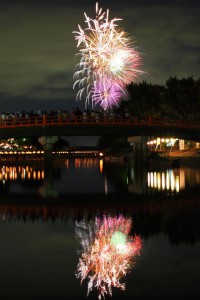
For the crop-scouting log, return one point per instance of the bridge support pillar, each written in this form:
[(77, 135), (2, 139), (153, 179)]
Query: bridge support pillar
[(140, 150), (47, 142)]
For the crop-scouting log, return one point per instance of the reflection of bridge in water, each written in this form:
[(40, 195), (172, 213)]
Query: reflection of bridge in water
[(76, 206), (164, 202), (150, 216)]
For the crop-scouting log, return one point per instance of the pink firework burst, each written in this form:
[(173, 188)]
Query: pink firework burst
[(107, 93)]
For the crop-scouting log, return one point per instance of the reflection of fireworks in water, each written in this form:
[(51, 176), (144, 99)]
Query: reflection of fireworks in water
[(107, 56), (109, 255)]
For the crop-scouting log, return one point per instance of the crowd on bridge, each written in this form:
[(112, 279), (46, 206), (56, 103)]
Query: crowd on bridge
[(61, 114)]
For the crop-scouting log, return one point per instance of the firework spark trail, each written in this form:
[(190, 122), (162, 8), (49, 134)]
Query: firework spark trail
[(110, 255), (107, 92), (107, 55)]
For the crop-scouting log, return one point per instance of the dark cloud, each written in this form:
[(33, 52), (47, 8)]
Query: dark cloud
[(103, 2)]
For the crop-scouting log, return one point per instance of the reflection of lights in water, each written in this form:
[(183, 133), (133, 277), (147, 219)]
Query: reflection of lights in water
[(77, 163), (15, 173), (67, 163), (105, 185), (155, 179), (182, 179), (165, 180), (108, 252), (34, 174), (82, 162), (158, 181), (177, 185), (151, 179), (132, 174), (172, 181), (101, 165)]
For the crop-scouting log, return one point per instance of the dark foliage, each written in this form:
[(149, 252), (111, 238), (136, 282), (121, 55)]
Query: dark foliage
[(179, 98)]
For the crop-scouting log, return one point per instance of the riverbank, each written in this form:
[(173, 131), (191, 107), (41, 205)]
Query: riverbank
[(174, 158), (186, 157)]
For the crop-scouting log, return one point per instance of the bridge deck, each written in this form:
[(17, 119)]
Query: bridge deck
[(89, 120), (73, 125)]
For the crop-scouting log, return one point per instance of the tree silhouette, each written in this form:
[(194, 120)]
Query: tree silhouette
[(179, 98)]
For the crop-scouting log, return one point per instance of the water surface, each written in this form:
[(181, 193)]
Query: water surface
[(41, 244)]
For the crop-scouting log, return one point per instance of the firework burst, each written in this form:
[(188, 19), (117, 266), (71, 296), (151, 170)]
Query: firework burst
[(107, 56), (107, 93), (109, 255)]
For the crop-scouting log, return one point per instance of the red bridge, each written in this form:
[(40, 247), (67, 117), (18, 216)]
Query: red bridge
[(93, 126)]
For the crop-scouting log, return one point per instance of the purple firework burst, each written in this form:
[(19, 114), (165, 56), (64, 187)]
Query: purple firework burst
[(108, 93)]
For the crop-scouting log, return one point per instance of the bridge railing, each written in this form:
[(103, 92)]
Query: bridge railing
[(94, 120)]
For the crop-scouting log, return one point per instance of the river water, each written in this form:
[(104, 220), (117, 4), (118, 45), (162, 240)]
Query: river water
[(87, 225)]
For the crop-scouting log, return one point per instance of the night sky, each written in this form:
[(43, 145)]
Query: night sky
[(37, 51)]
